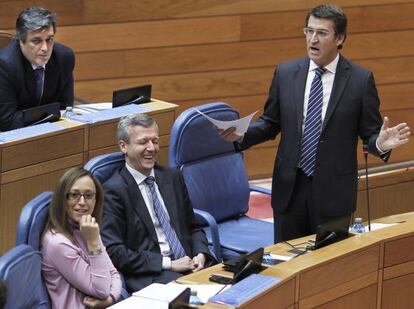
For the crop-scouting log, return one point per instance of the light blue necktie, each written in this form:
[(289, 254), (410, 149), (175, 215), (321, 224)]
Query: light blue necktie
[(313, 124), (170, 234), (39, 75)]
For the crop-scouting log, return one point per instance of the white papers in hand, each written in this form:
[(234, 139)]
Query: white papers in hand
[(241, 125)]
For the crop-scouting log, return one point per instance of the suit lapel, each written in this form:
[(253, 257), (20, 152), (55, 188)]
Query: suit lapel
[(300, 76), (138, 203), (341, 79)]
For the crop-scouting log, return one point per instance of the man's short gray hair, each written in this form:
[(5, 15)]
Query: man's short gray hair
[(33, 19), (133, 120)]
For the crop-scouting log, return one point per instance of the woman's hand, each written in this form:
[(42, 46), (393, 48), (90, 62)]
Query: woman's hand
[(91, 302), (90, 231)]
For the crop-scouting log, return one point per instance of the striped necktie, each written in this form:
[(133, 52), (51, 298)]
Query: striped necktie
[(169, 232), (313, 124)]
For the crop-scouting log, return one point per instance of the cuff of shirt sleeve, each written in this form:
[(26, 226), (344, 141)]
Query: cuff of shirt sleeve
[(381, 151), (166, 263)]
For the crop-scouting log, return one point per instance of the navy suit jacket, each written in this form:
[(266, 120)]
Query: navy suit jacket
[(353, 111), (129, 233), (17, 83)]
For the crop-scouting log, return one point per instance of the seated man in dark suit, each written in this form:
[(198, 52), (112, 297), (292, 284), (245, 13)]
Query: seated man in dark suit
[(148, 225), (34, 70)]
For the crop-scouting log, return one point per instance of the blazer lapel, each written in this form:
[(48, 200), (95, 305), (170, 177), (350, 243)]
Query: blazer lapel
[(300, 76), (138, 203), (341, 79)]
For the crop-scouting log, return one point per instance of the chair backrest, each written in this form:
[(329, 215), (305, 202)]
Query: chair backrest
[(20, 269), (103, 166), (213, 172), (5, 38), (32, 220)]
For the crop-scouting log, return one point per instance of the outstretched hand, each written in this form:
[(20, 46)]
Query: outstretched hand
[(390, 138)]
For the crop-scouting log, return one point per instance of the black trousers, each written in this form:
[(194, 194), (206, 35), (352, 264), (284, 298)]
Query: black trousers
[(302, 216)]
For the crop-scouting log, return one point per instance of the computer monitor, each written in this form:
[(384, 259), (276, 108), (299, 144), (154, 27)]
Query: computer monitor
[(331, 232), (134, 95)]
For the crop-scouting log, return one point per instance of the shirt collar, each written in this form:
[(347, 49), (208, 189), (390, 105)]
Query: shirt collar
[(138, 176), (35, 66), (331, 67)]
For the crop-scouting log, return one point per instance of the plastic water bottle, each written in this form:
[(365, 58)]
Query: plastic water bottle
[(358, 227), (68, 112)]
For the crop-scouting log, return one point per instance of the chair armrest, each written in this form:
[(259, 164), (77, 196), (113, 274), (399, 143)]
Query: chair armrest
[(261, 190), (211, 222)]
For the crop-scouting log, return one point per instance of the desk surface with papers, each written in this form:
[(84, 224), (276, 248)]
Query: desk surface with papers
[(370, 270)]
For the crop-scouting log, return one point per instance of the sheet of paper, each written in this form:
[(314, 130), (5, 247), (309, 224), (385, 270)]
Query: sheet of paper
[(378, 226), (203, 291), (139, 302), (162, 292), (281, 257), (241, 124), (91, 108)]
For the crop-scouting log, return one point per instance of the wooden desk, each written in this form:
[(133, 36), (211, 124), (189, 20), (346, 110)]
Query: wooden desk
[(33, 165), (371, 270)]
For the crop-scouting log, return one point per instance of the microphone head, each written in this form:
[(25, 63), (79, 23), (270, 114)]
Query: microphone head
[(365, 149)]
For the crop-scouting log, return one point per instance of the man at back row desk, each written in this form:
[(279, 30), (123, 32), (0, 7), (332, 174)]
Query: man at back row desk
[(34, 70), (149, 227)]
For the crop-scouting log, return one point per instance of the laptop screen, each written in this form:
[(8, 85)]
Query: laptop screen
[(134, 95)]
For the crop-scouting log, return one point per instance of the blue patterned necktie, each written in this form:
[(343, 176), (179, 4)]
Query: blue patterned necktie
[(170, 234), (39, 75), (313, 124)]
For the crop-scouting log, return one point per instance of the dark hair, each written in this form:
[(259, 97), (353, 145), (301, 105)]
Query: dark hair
[(32, 19), (133, 120), (58, 214), (331, 12), (3, 294)]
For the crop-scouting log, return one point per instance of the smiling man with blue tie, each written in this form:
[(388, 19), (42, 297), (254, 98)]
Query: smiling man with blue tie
[(149, 227), (320, 104), (34, 70)]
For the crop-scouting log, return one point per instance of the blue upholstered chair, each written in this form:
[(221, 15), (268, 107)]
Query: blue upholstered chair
[(20, 269), (32, 220), (217, 181), (103, 166)]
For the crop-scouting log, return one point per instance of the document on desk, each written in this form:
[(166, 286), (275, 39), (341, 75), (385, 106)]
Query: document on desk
[(154, 296), (241, 124), (30, 131), (203, 291), (112, 113), (91, 108)]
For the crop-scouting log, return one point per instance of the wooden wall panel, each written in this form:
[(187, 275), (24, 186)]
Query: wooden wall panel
[(197, 51)]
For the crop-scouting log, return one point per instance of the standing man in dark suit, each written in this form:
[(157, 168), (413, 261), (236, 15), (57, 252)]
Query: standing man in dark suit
[(34, 70), (149, 227), (320, 104)]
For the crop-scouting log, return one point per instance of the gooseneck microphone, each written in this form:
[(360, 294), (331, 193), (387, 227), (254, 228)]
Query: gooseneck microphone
[(365, 152), (328, 237)]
